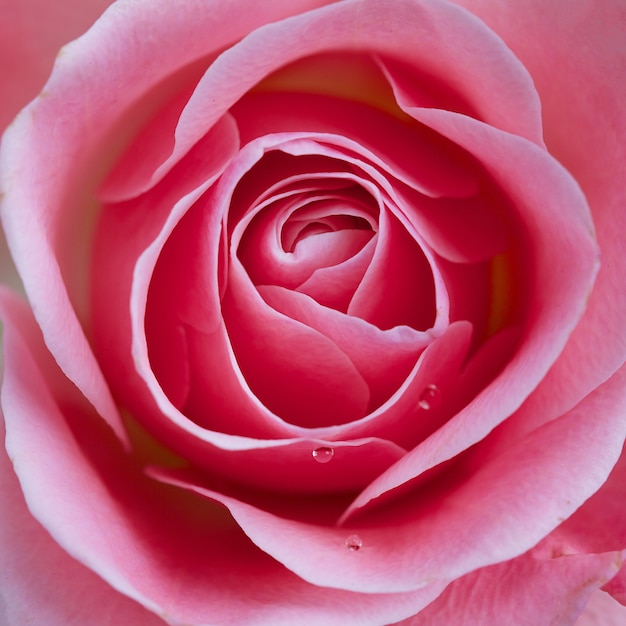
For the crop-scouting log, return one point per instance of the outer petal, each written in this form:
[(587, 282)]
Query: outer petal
[(584, 125), (74, 129), (434, 38), (481, 519), (524, 592), (564, 260), (599, 525), (184, 560), (602, 610), (31, 32), (42, 584)]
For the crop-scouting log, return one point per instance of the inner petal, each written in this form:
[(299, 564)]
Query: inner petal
[(398, 286), (383, 358), (334, 286), (286, 238), (298, 373), (302, 226)]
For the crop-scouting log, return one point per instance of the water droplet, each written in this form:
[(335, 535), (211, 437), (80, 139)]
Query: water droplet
[(430, 398), (323, 454), (354, 543)]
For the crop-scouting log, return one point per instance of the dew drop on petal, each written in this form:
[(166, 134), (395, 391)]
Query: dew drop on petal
[(430, 398), (354, 543), (323, 454)]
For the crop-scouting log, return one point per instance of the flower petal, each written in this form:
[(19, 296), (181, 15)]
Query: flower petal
[(383, 358), (602, 610), (40, 583), (32, 33), (434, 38), (526, 592), (68, 130), (477, 517), (181, 557), (563, 258), (585, 135)]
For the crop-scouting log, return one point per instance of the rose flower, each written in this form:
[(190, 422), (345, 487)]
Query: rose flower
[(325, 316)]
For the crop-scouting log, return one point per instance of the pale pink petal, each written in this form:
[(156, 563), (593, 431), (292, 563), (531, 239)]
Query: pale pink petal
[(599, 525), (32, 31), (40, 583), (525, 592), (583, 112), (602, 610), (132, 173), (434, 38)]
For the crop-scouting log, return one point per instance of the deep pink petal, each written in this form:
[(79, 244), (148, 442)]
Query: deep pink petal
[(414, 155), (215, 451), (334, 286), (416, 267), (223, 401), (466, 230), (124, 231), (384, 358), (398, 288), (297, 372), (327, 285), (272, 256), (426, 397)]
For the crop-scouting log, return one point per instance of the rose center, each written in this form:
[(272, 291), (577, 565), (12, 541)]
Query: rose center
[(297, 230)]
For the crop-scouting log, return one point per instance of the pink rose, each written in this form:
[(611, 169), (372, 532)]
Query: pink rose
[(326, 317)]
